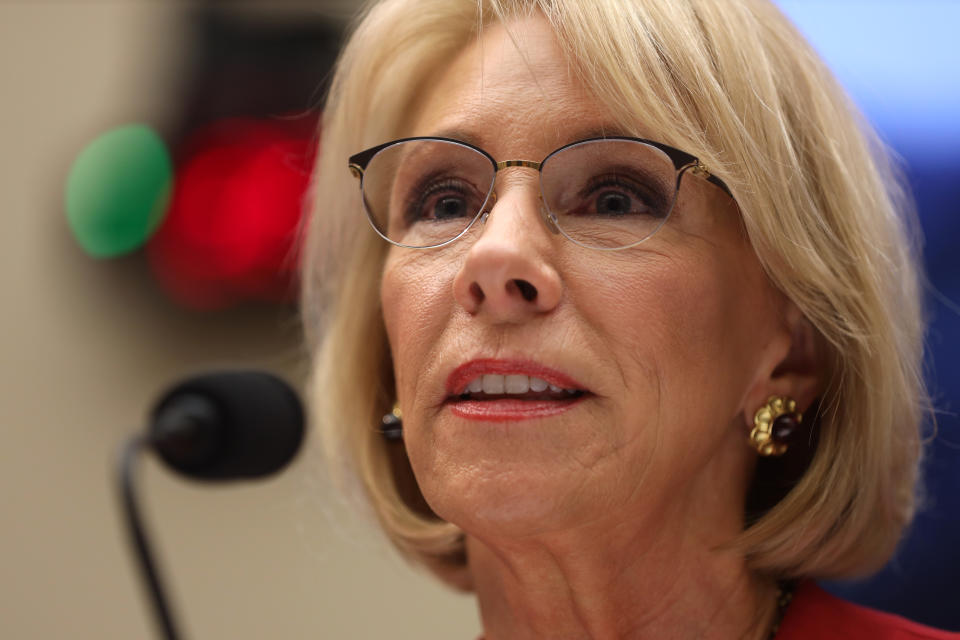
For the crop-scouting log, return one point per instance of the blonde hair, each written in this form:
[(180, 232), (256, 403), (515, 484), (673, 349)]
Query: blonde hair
[(733, 83)]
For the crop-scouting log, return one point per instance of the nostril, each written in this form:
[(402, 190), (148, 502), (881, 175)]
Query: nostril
[(527, 290), (477, 292)]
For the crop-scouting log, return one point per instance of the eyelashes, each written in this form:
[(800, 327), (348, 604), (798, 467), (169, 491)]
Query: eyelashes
[(437, 198)]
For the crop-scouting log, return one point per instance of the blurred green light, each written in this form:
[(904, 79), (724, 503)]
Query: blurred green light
[(118, 190)]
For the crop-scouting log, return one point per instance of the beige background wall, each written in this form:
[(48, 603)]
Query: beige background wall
[(86, 346)]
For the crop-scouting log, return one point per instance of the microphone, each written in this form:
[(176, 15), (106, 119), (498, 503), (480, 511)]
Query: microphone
[(227, 425)]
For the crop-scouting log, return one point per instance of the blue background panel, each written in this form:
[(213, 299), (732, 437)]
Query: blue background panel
[(901, 63)]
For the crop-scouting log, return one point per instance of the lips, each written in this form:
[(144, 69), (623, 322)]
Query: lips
[(510, 390)]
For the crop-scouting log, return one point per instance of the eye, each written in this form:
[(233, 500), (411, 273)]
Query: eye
[(449, 206), (613, 203), (442, 200), (617, 195)]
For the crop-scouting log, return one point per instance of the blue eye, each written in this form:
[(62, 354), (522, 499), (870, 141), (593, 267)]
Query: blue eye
[(618, 196), (449, 207), (613, 203), (442, 200)]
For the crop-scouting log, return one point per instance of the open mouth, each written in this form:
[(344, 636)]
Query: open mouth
[(511, 398), (514, 387)]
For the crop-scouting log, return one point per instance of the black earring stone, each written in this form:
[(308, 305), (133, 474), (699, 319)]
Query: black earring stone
[(785, 428), (391, 428)]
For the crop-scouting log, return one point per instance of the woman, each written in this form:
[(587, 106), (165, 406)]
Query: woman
[(623, 250)]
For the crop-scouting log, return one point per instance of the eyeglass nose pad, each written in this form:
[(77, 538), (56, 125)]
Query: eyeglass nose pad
[(548, 218), (492, 200)]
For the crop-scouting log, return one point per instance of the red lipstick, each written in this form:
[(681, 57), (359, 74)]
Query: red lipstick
[(502, 408), (460, 377)]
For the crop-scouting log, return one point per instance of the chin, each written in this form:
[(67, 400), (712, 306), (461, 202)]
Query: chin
[(516, 478), (490, 500)]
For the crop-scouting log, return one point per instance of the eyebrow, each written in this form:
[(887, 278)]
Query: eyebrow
[(603, 131), (459, 134), (596, 131)]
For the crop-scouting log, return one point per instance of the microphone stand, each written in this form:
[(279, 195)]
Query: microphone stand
[(228, 425), (138, 536)]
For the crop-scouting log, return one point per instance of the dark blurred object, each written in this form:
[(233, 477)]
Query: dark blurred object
[(263, 63), (227, 425)]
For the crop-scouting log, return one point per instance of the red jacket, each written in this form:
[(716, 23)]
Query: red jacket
[(814, 614)]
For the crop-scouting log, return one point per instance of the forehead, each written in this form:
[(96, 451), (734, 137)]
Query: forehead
[(513, 93)]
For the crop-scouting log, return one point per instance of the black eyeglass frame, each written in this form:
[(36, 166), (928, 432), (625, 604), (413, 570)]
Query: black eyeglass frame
[(682, 162)]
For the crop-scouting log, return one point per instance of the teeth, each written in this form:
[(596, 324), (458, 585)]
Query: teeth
[(493, 384), (496, 384), (516, 384)]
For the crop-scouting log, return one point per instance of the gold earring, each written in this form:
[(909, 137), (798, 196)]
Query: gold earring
[(774, 425)]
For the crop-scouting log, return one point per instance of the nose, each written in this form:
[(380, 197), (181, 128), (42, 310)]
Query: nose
[(507, 274)]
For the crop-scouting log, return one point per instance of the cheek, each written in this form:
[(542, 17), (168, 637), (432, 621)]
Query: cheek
[(679, 318), (415, 293), (655, 314)]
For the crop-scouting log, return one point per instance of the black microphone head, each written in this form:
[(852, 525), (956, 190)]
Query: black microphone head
[(228, 425)]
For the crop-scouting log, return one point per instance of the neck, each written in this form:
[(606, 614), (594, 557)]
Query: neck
[(670, 574), (607, 590)]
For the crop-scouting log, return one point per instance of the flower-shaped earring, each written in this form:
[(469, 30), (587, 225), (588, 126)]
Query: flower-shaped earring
[(774, 425)]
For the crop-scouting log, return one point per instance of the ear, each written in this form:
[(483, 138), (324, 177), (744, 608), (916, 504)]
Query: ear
[(793, 366)]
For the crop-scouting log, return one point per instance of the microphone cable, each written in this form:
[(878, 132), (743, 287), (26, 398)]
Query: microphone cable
[(221, 426)]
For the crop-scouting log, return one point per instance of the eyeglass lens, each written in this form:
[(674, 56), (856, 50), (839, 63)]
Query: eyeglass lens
[(605, 194)]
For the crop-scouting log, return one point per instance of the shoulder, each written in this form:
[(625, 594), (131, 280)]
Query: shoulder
[(814, 613)]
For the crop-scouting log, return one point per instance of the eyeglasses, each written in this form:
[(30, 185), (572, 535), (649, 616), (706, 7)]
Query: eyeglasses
[(601, 193)]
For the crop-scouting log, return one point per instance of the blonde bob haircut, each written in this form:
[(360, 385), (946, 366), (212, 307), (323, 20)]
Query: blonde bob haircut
[(733, 83)]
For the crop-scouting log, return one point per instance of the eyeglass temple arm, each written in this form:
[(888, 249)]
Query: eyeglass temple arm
[(698, 169)]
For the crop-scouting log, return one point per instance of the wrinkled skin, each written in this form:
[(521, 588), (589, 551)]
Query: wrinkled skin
[(678, 341)]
